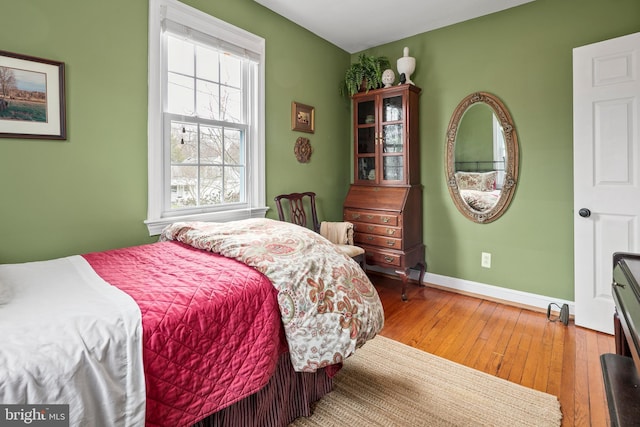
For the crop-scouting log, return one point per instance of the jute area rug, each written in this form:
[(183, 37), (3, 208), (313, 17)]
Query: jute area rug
[(387, 383)]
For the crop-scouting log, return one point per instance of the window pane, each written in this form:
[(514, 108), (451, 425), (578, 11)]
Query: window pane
[(233, 147), (392, 108), (207, 100), (211, 145), (184, 186), (392, 166), (180, 92), (231, 105), (211, 185), (233, 189), (207, 64), (184, 143), (392, 138), (180, 56), (367, 168), (230, 70)]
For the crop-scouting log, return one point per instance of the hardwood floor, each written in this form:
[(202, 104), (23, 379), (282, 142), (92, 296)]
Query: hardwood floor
[(513, 343)]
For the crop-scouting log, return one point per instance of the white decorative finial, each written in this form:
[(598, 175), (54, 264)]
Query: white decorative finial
[(406, 65)]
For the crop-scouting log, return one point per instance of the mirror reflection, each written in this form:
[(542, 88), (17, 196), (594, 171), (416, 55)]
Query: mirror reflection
[(482, 158)]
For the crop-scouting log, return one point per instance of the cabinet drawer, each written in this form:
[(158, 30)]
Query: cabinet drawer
[(369, 217), (361, 227), (382, 258), (375, 240)]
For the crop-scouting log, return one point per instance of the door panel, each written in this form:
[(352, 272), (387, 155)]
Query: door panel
[(606, 156)]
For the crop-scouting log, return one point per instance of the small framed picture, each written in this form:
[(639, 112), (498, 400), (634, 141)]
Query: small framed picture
[(32, 97), (302, 117)]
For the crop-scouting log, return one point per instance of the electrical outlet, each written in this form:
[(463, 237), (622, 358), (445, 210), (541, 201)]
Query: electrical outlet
[(486, 260)]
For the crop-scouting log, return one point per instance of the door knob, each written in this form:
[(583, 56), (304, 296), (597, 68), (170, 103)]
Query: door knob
[(584, 213)]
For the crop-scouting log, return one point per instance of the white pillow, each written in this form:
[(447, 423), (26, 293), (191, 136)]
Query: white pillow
[(6, 293)]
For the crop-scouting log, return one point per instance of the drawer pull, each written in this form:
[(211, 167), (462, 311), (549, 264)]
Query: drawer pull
[(388, 258), (355, 216), (391, 231), (370, 228), (385, 219), (390, 243), (369, 216), (370, 238)]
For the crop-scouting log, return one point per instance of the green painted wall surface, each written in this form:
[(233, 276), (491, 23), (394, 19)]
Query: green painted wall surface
[(89, 193), (524, 56)]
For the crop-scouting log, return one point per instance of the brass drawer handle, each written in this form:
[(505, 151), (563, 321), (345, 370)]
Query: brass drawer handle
[(391, 231), (388, 258), (355, 215), (369, 216), (390, 243), (385, 219), (370, 238), (370, 228)]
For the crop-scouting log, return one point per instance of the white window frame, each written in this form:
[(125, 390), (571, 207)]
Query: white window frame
[(255, 206)]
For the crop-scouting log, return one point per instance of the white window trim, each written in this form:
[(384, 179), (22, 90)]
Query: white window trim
[(198, 20)]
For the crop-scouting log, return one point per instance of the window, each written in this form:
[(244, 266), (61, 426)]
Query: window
[(206, 116), (499, 152)]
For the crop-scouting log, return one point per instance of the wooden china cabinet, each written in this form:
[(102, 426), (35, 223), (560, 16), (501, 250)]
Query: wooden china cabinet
[(385, 200)]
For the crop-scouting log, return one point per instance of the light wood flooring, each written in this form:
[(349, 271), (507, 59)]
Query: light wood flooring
[(513, 343)]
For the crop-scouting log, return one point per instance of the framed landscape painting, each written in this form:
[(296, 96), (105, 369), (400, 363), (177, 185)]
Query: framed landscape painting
[(32, 100)]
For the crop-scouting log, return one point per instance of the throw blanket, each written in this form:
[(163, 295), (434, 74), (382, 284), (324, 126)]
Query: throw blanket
[(67, 337), (212, 332), (327, 304), (340, 233)]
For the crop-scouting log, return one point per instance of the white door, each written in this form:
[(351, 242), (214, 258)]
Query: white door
[(606, 162)]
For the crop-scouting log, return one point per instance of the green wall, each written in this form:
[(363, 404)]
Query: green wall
[(89, 193), (524, 56)]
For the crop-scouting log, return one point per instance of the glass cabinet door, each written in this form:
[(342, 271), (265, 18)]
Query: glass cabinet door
[(392, 139), (366, 140)]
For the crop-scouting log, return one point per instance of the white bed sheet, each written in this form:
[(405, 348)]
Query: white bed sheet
[(68, 337)]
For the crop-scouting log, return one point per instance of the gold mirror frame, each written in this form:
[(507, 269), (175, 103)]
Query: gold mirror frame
[(511, 164)]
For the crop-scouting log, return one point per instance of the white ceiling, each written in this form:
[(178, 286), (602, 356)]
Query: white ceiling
[(356, 25)]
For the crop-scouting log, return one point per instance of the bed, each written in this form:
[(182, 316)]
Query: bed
[(478, 189), (213, 324)]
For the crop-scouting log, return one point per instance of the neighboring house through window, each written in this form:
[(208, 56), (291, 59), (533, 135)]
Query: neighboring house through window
[(206, 118)]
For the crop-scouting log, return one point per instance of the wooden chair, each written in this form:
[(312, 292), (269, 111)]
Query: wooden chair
[(303, 205)]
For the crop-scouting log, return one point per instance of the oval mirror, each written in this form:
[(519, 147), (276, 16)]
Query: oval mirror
[(481, 157)]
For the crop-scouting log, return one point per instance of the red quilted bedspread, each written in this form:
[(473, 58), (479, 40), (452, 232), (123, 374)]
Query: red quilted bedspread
[(212, 329)]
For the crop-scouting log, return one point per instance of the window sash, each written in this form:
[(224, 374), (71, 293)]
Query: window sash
[(244, 132)]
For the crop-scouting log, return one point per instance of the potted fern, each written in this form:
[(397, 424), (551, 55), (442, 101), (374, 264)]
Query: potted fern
[(365, 74)]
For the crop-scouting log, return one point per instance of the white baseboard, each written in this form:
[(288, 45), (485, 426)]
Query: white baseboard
[(482, 290)]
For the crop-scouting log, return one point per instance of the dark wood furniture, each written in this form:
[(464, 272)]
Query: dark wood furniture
[(385, 200), (620, 370), (303, 205)]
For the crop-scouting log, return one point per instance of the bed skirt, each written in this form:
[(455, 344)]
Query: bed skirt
[(288, 395)]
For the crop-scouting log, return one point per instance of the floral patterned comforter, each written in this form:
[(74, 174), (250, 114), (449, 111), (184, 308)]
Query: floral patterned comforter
[(327, 304)]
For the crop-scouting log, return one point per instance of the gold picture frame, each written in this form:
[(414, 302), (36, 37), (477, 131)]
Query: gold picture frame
[(302, 117)]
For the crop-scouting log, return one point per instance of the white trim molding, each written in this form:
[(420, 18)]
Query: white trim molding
[(481, 290)]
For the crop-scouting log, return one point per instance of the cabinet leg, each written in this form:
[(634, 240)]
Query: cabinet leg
[(404, 275), (423, 268)]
